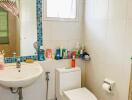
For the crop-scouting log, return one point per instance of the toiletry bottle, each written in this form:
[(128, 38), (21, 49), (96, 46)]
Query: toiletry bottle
[(1, 57), (69, 54), (41, 56), (77, 49), (74, 53), (61, 55), (49, 53), (2, 65), (81, 53), (14, 56), (73, 62), (57, 56), (64, 53)]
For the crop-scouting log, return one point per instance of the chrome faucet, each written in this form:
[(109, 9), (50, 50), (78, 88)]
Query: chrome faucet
[(18, 64), (17, 60)]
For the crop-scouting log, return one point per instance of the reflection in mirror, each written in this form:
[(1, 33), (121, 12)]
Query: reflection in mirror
[(18, 31), (4, 27), (8, 33)]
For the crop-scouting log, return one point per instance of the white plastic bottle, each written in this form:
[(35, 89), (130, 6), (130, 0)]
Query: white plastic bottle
[(2, 65), (1, 57)]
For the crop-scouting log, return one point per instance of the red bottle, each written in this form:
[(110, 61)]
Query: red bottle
[(73, 62)]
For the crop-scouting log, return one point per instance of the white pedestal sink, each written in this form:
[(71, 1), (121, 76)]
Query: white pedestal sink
[(11, 77)]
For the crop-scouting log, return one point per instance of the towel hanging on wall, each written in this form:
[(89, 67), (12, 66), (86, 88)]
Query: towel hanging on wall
[(10, 6)]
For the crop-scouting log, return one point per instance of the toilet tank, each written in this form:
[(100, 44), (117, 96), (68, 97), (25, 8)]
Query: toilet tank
[(67, 79)]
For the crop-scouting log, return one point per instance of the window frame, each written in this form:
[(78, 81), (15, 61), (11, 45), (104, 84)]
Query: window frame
[(76, 19)]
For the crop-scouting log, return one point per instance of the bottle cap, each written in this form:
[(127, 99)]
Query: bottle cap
[(73, 57)]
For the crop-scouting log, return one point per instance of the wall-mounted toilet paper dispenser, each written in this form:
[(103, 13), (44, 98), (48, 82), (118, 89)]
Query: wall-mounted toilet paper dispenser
[(108, 85)]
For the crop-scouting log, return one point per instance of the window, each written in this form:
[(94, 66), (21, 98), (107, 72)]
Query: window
[(3, 27), (61, 9)]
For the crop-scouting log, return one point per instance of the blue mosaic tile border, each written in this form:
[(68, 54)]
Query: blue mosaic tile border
[(22, 58), (39, 22), (39, 35)]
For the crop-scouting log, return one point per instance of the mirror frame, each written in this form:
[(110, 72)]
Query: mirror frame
[(39, 35)]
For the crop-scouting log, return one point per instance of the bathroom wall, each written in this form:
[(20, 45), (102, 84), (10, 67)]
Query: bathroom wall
[(108, 39), (63, 33), (66, 34)]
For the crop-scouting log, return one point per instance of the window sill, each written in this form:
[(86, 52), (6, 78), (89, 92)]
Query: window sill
[(61, 19)]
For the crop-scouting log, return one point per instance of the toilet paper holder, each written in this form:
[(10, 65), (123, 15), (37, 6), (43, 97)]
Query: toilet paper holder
[(110, 83)]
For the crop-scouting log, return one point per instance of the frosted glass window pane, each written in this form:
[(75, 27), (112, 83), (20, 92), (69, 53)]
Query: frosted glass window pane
[(61, 8)]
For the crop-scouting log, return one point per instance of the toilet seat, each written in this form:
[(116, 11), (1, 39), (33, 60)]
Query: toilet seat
[(79, 94)]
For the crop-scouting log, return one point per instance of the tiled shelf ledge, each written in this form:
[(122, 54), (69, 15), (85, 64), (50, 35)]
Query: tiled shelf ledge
[(33, 57), (22, 58), (59, 61), (62, 62)]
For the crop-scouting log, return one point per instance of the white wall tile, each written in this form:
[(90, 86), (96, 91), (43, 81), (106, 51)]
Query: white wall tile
[(98, 9), (108, 40), (117, 9), (129, 7), (63, 33)]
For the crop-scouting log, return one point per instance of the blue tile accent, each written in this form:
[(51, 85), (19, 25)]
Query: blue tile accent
[(39, 35), (39, 22), (22, 58)]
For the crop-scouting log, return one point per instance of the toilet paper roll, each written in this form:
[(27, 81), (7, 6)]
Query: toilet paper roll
[(106, 87)]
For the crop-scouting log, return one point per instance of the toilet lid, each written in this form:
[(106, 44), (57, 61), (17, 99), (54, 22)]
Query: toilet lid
[(79, 94)]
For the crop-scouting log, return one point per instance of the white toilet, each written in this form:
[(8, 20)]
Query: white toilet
[(68, 85)]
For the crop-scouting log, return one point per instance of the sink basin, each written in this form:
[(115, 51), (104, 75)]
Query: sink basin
[(11, 77)]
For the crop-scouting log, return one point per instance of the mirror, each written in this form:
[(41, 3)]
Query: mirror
[(18, 33)]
